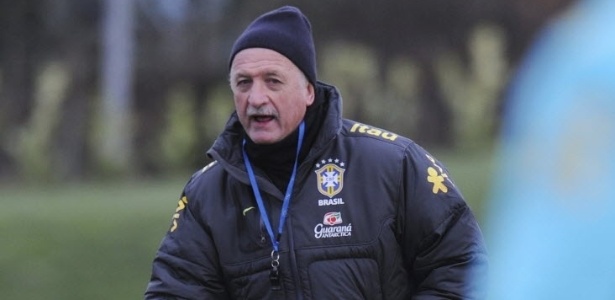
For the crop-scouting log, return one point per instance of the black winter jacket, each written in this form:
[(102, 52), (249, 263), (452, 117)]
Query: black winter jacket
[(373, 216)]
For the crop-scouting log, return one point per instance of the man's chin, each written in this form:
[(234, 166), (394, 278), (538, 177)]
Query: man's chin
[(262, 139)]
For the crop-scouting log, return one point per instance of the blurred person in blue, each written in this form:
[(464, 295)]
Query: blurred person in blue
[(301, 203), (551, 228)]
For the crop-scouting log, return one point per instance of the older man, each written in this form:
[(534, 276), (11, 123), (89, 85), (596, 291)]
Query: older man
[(300, 203)]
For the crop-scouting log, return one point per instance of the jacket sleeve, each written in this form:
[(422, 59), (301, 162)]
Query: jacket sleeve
[(444, 248), (186, 264)]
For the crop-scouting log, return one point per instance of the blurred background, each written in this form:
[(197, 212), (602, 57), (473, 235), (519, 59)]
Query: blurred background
[(108, 106)]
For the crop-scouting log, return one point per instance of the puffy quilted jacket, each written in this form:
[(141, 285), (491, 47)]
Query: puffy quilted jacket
[(372, 216)]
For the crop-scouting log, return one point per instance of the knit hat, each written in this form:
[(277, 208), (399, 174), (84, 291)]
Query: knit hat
[(284, 30)]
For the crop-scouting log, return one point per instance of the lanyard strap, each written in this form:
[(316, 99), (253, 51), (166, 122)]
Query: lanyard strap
[(275, 239)]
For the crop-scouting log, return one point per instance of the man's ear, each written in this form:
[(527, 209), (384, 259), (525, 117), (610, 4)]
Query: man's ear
[(310, 94)]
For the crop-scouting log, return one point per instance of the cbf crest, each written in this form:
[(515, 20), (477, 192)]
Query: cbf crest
[(330, 177)]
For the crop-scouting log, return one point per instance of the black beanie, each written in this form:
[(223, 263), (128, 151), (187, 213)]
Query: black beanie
[(284, 30)]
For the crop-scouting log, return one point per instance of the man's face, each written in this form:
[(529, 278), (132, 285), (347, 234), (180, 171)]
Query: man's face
[(271, 94)]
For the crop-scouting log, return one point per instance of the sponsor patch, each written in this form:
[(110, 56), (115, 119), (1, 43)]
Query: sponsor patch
[(328, 228), (373, 131), (332, 218), (181, 204)]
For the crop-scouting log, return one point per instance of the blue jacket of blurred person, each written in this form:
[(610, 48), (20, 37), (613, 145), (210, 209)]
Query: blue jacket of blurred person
[(551, 228)]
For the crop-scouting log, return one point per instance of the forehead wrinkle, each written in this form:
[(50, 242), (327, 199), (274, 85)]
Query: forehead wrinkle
[(257, 72), (257, 56), (265, 63)]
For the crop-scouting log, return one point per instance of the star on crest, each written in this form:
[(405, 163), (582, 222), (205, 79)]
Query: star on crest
[(336, 161)]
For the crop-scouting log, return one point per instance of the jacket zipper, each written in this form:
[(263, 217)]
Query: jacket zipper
[(293, 259), (261, 227)]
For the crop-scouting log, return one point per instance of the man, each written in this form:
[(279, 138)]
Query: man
[(302, 204)]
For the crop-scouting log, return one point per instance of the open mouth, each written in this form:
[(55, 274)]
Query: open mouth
[(262, 119)]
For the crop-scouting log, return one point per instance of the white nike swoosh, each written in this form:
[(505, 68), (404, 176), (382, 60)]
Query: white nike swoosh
[(247, 210)]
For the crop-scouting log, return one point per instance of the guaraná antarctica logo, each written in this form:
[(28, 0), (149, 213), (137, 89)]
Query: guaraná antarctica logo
[(327, 228)]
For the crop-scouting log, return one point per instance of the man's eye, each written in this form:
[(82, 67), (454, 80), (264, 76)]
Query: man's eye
[(273, 80), (243, 82)]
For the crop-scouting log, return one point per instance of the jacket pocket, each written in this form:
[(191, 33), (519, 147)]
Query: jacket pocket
[(350, 278)]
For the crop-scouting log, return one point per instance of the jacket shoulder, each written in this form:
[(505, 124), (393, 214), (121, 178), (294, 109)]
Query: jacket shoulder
[(208, 167), (387, 144), (201, 175), (360, 130)]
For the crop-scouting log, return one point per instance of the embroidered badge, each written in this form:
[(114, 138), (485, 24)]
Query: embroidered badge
[(437, 176), (437, 181), (330, 177)]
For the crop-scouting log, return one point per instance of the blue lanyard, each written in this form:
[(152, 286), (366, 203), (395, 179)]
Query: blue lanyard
[(275, 239)]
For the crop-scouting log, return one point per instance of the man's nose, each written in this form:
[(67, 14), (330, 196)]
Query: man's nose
[(258, 94)]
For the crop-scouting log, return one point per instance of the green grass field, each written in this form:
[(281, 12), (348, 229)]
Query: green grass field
[(97, 240), (88, 241)]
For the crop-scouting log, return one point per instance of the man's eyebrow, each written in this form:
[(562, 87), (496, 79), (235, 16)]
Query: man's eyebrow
[(237, 75), (241, 74), (273, 73)]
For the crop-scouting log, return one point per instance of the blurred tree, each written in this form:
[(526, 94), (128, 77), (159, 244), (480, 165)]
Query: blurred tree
[(71, 154), (180, 44), (20, 37)]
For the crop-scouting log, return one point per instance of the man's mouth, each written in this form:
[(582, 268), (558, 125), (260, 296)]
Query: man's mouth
[(262, 118)]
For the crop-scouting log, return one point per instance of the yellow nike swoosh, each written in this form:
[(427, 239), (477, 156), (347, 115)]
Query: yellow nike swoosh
[(247, 210)]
